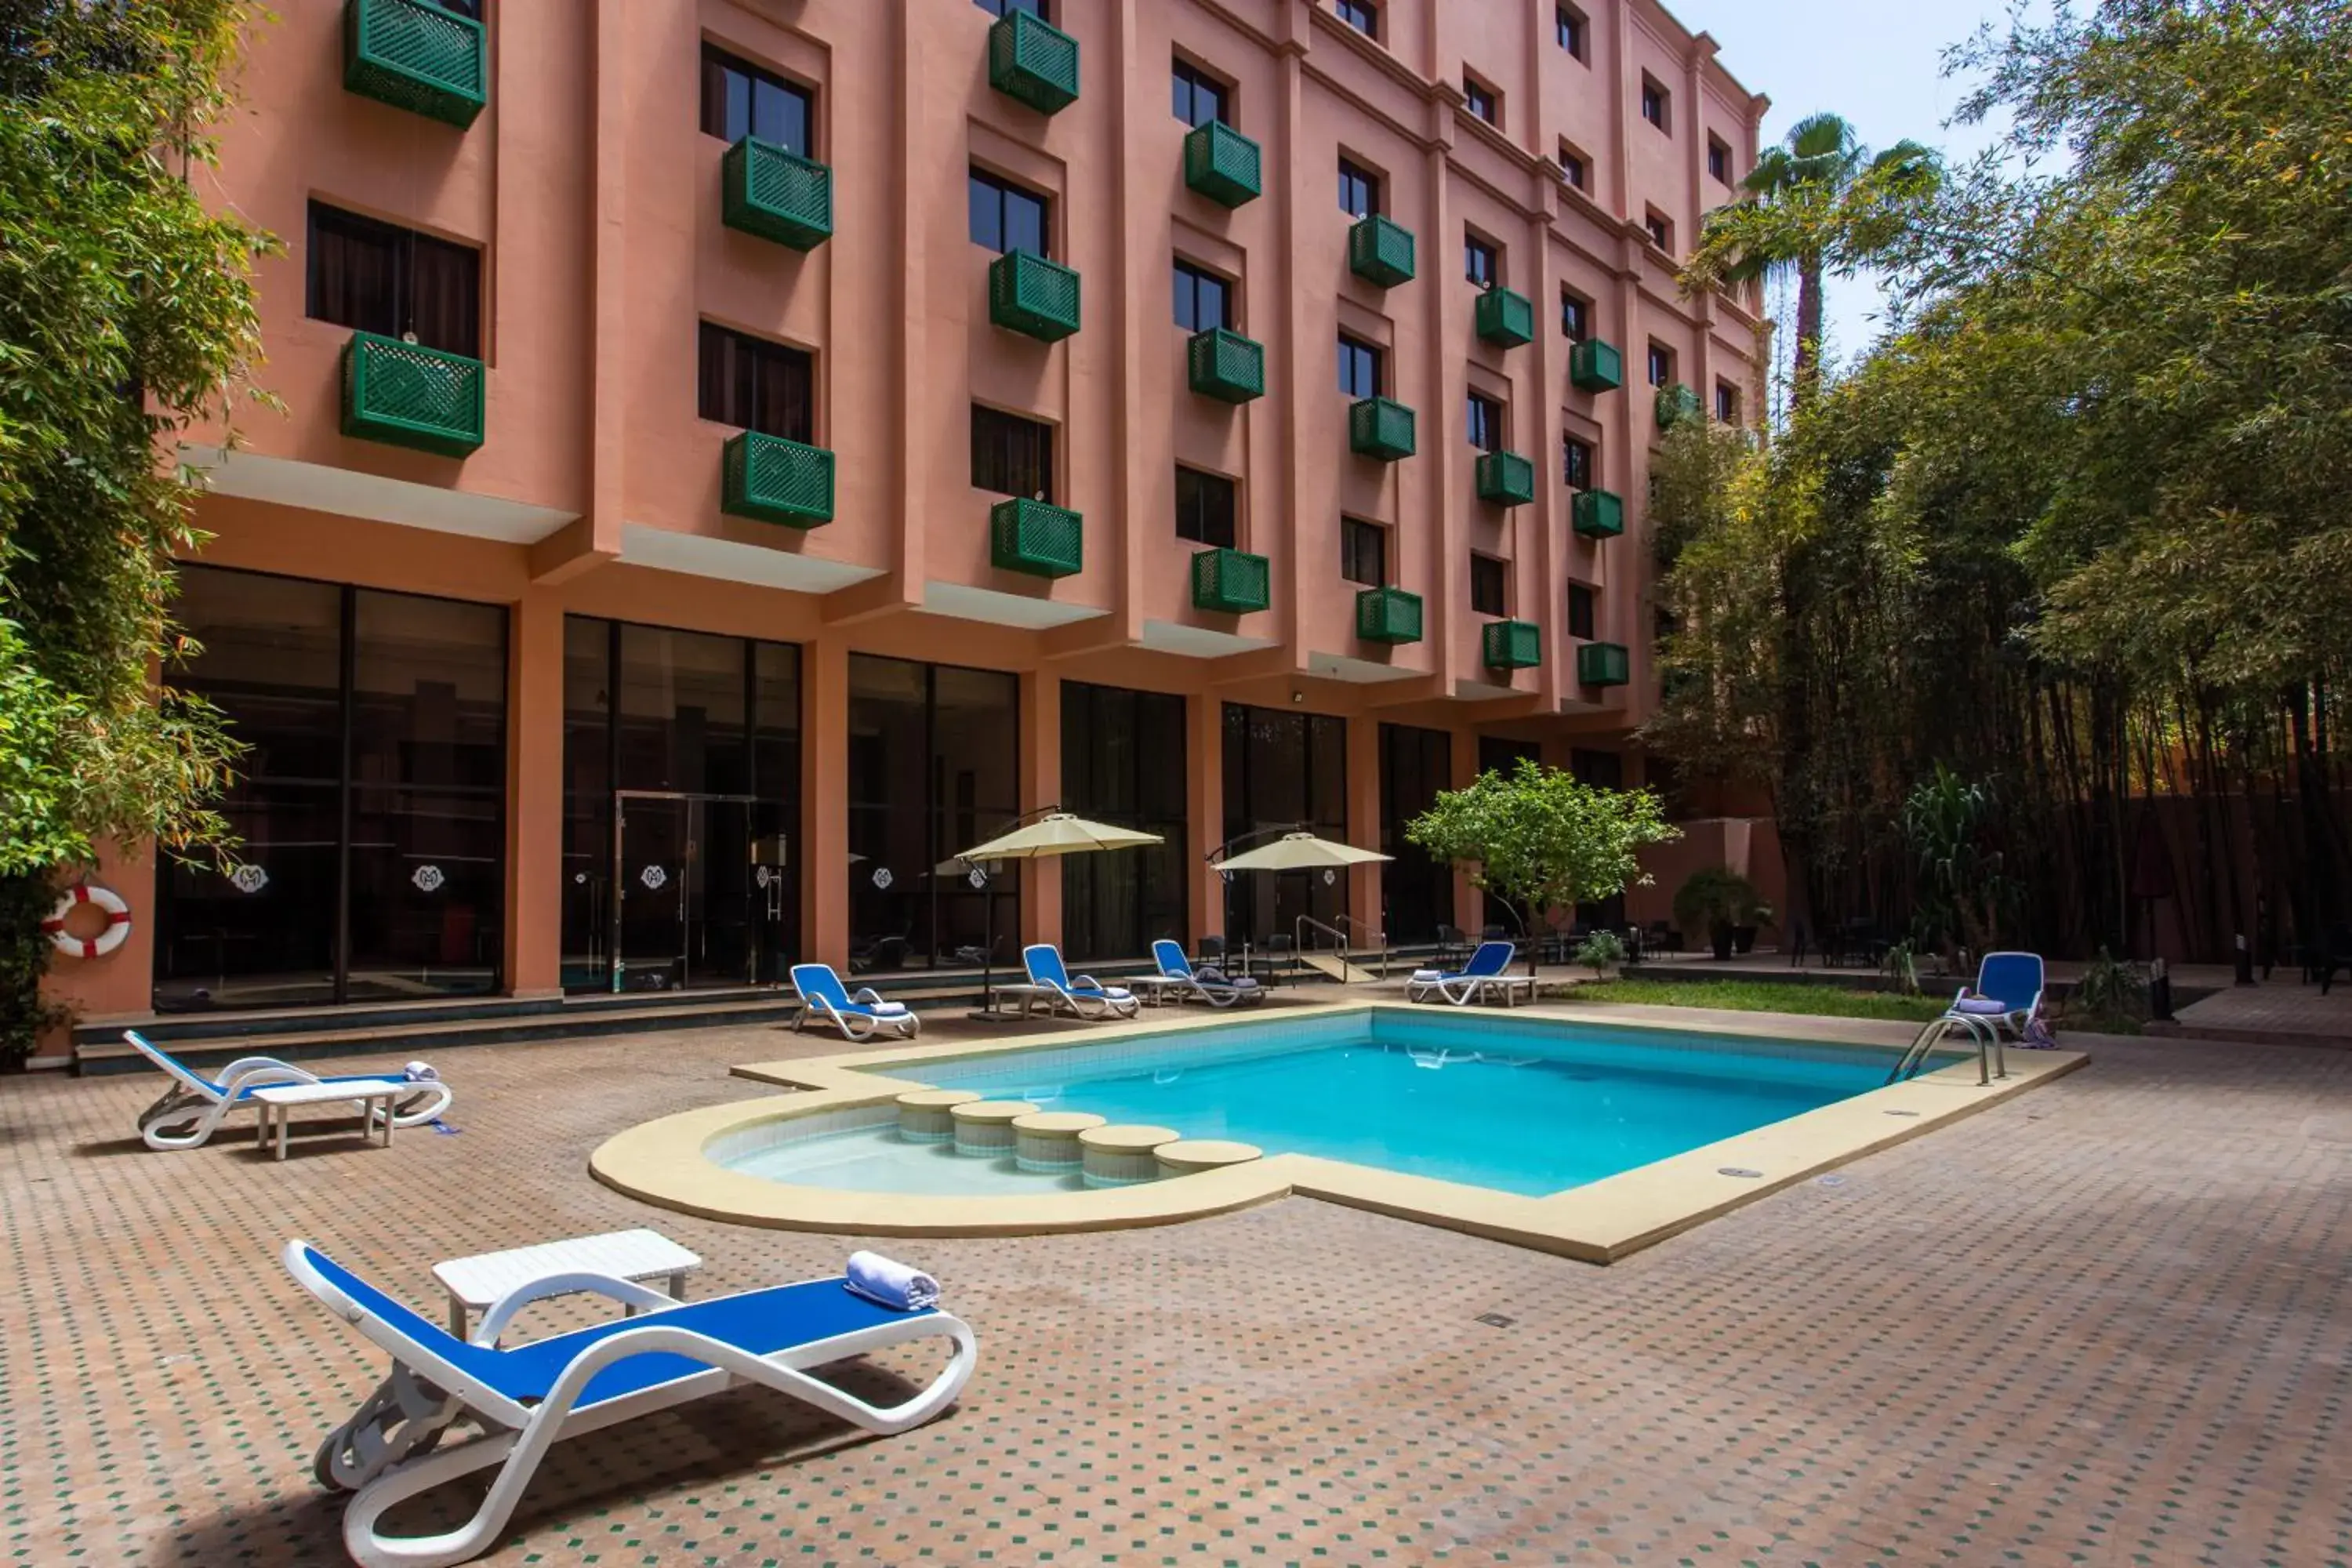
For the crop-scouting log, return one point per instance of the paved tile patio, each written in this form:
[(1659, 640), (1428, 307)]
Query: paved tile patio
[(2110, 1322)]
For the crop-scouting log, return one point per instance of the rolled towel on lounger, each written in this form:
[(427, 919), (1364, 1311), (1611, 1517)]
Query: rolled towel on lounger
[(893, 1284), (1985, 1004), (420, 1072), (1424, 976)]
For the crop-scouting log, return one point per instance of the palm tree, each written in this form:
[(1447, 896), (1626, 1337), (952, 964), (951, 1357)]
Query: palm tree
[(1806, 217)]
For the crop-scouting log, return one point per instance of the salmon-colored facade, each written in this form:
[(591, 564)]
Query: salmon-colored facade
[(594, 198)]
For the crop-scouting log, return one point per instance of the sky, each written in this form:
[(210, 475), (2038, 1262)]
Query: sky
[(1879, 63)]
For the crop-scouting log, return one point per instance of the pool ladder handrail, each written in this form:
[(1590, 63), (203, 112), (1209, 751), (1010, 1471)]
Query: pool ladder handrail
[(1347, 948), (1992, 1056)]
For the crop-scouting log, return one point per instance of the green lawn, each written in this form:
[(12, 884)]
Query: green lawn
[(1763, 997)]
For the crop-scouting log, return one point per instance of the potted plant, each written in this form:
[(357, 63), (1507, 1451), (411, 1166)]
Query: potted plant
[(1716, 899), (1743, 928)]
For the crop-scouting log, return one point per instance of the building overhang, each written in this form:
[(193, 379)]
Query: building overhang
[(1357, 671), (1198, 642), (344, 492), (701, 555), (961, 602)]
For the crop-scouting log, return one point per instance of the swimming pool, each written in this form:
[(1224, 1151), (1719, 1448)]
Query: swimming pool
[(1518, 1106)]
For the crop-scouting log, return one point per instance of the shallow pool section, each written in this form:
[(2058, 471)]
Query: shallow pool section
[(1528, 1107), (876, 1159)]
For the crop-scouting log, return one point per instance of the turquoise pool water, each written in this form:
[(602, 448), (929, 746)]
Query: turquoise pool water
[(1524, 1106)]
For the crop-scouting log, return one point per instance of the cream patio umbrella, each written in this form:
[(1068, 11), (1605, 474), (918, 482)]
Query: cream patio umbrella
[(1299, 851), (1056, 834)]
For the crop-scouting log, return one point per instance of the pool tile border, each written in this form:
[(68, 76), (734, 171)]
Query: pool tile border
[(668, 1162)]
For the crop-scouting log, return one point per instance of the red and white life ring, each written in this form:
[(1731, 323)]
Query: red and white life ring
[(118, 922)]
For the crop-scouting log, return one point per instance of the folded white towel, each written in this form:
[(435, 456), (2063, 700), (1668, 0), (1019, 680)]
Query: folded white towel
[(893, 1284), (1424, 976), (886, 1009), (1980, 1004), (420, 1072)]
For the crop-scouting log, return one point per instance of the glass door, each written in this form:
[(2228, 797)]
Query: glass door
[(703, 891)]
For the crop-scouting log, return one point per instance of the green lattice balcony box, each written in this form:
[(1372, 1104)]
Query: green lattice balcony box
[(411, 395), (1379, 251), (1389, 616), (1031, 295), (1377, 428), (1602, 664), (1512, 644), (772, 479), (1505, 478), (1225, 365), (1033, 62), (1221, 164), (415, 56), (1599, 514), (1505, 317), (1036, 537), (1596, 366), (776, 194), (1232, 582), (1677, 403)]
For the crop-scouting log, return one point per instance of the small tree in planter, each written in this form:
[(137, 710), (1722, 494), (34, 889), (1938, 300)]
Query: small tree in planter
[(1717, 899), (1599, 951), (1538, 840)]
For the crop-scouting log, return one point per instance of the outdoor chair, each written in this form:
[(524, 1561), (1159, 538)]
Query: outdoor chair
[(2007, 994), (858, 1017), (1084, 997), (1485, 973), (194, 1107), (526, 1399), (1178, 978)]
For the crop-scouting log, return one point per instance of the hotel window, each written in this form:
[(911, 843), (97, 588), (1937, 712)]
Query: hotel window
[(1482, 100), (1360, 190), (1006, 7), (1360, 367), (1726, 403), (1576, 463), (1573, 165), (1718, 161), (1363, 553), (1575, 317), (1580, 611), (1662, 232), (1488, 591), (1006, 217), (1484, 421), (1569, 22), (1662, 364), (1479, 262), (1198, 97), (380, 277), (1204, 508), (1658, 104), (1203, 299), (1361, 15), (1012, 456), (754, 385), (741, 100)]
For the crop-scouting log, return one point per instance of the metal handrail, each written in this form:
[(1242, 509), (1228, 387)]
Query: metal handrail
[(1298, 938), (1993, 1053)]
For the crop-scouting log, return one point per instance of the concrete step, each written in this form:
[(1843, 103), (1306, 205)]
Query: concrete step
[(1333, 966)]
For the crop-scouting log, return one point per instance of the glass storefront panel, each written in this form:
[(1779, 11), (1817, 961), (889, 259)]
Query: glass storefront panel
[(1416, 891), (370, 804), (1282, 770), (682, 807), (1123, 763), (934, 767)]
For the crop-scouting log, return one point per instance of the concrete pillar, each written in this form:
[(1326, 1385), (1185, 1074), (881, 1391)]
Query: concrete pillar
[(534, 881), (1364, 824), (1204, 803), (824, 802), (1041, 785)]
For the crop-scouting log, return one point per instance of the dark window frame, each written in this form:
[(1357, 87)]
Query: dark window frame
[(1481, 254), (1213, 517), (1718, 159), (1356, 536), (1189, 85), (1582, 612), (1574, 166), (1354, 176), (1488, 418), (1361, 15), (1579, 460), (1660, 364), (1660, 228), (1354, 352), (1657, 103), (1570, 28), (1188, 280), (1490, 585), (717, 118), (1575, 316), (1003, 191), (408, 260), (1726, 403), (997, 461), (1038, 8), (749, 384), (1483, 100)]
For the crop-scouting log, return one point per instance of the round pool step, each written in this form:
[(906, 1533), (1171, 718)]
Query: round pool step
[(923, 1113), (1049, 1139), (1187, 1155), (1120, 1156), (984, 1127)]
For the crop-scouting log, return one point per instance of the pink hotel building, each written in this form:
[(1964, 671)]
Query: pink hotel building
[(736, 453)]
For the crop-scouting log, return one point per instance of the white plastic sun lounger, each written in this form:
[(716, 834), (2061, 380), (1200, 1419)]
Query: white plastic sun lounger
[(527, 1399), (1177, 976), (1485, 972), (193, 1109), (858, 1017), (1085, 997)]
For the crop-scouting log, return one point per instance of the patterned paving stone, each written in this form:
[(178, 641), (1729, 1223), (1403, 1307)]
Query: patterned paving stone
[(2103, 1324)]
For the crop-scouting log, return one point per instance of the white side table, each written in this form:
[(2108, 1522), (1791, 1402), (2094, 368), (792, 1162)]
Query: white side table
[(373, 1096), (639, 1256)]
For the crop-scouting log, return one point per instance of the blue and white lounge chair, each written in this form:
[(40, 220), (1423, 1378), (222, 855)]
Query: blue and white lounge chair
[(858, 1017), (1485, 973), (2007, 994), (526, 1399), (1178, 978), (1085, 996), (193, 1109)]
